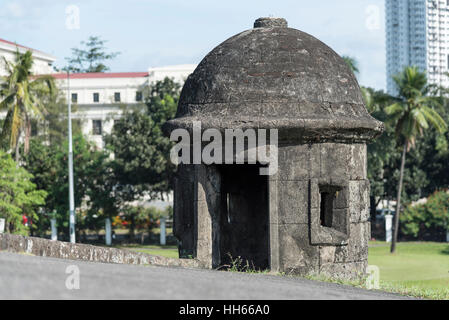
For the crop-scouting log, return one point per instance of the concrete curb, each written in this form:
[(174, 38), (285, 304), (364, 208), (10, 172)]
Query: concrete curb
[(85, 252)]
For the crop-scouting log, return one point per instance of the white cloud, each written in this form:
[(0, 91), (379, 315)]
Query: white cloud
[(15, 9)]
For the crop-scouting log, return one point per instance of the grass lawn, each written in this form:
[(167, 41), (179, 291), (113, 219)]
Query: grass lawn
[(421, 268), (164, 251)]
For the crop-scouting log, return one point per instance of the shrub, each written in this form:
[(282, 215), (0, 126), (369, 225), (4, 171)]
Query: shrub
[(18, 196), (427, 221)]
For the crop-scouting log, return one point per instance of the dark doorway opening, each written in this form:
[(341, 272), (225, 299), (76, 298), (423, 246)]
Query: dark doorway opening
[(244, 217)]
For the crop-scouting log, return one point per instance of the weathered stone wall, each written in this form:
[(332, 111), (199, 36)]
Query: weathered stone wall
[(85, 252), (304, 245), (298, 244), (274, 77)]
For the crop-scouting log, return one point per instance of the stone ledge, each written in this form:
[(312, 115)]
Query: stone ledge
[(85, 252)]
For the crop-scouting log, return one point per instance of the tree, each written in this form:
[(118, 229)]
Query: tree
[(42, 162), (382, 151), (352, 64), (48, 164), (54, 123), (21, 100), (18, 195), (427, 221), (91, 57), (412, 114), (100, 189), (141, 151), (138, 163), (425, 165)]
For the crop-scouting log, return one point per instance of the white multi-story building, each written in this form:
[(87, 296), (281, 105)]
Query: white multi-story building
[(417, 34), (178, 73), (101, 97), (42, 62)]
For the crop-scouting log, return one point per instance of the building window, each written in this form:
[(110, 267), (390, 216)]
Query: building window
[(34, 129), (327, 197), (96, 127), (117, 96), (74, 97), (96, 97), (138, 95)]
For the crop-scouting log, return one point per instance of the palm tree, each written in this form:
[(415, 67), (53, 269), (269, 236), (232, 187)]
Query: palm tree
[(412, 114), (352, 64), (21, 94)]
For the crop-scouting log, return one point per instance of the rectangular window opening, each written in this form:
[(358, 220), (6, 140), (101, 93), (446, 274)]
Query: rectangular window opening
[(139, 96), (96, 127), (326, 208)]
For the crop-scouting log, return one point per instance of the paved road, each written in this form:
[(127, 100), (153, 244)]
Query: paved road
[(30, 277)]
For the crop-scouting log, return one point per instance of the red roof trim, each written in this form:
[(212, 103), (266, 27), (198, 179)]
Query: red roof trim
[(96, 75), (18, 45)]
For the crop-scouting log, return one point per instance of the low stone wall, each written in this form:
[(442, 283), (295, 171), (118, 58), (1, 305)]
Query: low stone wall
[(85, 252)]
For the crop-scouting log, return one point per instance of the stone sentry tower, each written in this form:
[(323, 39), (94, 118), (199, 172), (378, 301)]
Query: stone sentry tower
[(312, 216)]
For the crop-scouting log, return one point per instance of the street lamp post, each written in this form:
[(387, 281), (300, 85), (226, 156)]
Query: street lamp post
[(71, 189)]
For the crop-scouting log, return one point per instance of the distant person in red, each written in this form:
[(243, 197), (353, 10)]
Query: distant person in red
[(25, 220)]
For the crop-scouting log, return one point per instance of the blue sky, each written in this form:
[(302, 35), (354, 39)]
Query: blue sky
[(162, 32)]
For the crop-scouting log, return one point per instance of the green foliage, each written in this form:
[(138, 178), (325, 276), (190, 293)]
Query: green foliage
[(238, 264), (49, 165), (21, 100), (142, 218), (162, 100), (425, 164), (91, 57), (101, 186), (430, 217), (54, 125), (142, 153), (18, 195), (415, 110), (352, 64)]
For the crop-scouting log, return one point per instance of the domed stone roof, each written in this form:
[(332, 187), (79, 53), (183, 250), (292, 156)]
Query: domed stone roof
[(273, 76)]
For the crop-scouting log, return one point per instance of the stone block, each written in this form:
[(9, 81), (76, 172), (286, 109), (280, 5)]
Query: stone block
[(293, 201), (204, 222), (327, 254), (314, 195), (344, 271), (359, 201), (273, 201), (294, 162), (296, 256), (274, 247), (315, 161), (357, 164), (357, 248), (334, 160), (342, 197), (204, 252)]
